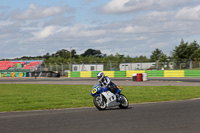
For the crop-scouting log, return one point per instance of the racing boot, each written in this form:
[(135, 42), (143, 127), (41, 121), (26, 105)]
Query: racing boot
[(118, 98)]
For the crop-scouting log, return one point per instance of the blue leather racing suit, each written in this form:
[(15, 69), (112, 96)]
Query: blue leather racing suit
[(107, 83)]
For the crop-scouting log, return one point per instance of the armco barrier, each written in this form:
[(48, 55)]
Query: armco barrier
[(21, 74), (119, 73), (85, 74), (174, 73), (151, 73), (69, 74), (17, 74), (8, 74), (75, 74), (192, 73), (94, 74), (158, 73), (129, 73), (31, 74), (3, 74), (12, 74), (24, 74), (109, 73)]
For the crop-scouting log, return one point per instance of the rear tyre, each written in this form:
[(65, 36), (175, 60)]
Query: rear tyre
[(101, 105), (124, 104)]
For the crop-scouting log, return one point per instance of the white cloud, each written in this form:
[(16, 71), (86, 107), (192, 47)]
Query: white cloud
[(81, 31), (102, 40), (133, 29), (123, 6), (189, 13), (4, 36), (91, 33), (67, 31), (37, 12), (116, 6), (89, 1), (47, 31), (156, 16), (150, 24), (5, 23)]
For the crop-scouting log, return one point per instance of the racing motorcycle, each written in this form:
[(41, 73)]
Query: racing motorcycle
[(103, 98)]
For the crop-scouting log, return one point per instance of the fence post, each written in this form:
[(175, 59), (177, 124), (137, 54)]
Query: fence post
[(157, 67), (190, 64), (61, 68), (49, 66), (96, 66), (110, 65), (56, 67)]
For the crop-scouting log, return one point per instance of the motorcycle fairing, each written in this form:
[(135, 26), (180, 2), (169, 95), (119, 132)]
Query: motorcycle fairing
[(111, 99)]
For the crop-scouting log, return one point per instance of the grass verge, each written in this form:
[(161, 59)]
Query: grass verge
[(21, 97)]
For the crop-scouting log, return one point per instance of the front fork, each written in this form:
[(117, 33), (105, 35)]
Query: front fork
[(101, 98)]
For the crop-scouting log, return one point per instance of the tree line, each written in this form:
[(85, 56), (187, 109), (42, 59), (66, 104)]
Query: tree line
[(183, 52)]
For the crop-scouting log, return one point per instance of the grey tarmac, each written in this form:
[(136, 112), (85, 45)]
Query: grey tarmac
[(157, 81), (161, 117)]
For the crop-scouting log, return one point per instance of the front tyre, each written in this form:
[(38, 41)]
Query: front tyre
[(124, 104), (101, 105)]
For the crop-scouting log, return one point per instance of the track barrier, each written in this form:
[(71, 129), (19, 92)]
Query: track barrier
[(30, 74), (89, 74), (139, 77)]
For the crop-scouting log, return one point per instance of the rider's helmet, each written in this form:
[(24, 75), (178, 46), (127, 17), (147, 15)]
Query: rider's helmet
[(100, 76)]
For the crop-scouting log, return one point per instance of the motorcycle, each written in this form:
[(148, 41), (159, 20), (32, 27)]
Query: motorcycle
[(103, 98)]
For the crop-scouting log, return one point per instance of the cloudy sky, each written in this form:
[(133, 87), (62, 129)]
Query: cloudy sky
[(129, 27)]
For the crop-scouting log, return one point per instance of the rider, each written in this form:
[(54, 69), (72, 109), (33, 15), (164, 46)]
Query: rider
[(107, 83)]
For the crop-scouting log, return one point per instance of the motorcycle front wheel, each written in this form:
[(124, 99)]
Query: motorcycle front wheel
[(101, 105), (124, 104)]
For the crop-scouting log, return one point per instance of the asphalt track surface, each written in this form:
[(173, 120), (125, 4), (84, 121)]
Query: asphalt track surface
[(161, 117), (91, 81)]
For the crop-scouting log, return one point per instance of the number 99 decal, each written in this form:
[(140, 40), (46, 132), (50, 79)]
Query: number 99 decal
[(120, 88), (94, 90)]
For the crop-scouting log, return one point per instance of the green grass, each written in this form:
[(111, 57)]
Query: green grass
[(140, 94), (20, 97)]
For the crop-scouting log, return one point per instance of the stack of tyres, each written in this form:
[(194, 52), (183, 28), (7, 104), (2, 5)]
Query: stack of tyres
[(139, 76), (145, 76), (134, 76)]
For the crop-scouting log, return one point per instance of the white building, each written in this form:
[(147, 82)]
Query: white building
[(136, 66), (87, 67)]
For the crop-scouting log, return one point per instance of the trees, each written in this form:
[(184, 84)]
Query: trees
[(196, 55), (46, 56), (185, 52), (156, 55), (92, 52), (180, 51), (194, 51), (63, 53)]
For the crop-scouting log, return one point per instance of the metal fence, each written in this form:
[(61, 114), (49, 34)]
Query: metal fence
[(114, 66), (180, 65), (63, 69)]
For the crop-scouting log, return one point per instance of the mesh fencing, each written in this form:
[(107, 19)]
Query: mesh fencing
[(63, 69)]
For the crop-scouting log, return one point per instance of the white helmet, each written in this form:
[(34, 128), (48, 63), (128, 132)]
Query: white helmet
[(100, 76)]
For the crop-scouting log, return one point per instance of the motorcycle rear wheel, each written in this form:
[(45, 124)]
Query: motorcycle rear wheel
[(124, 104), (101, 105)]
